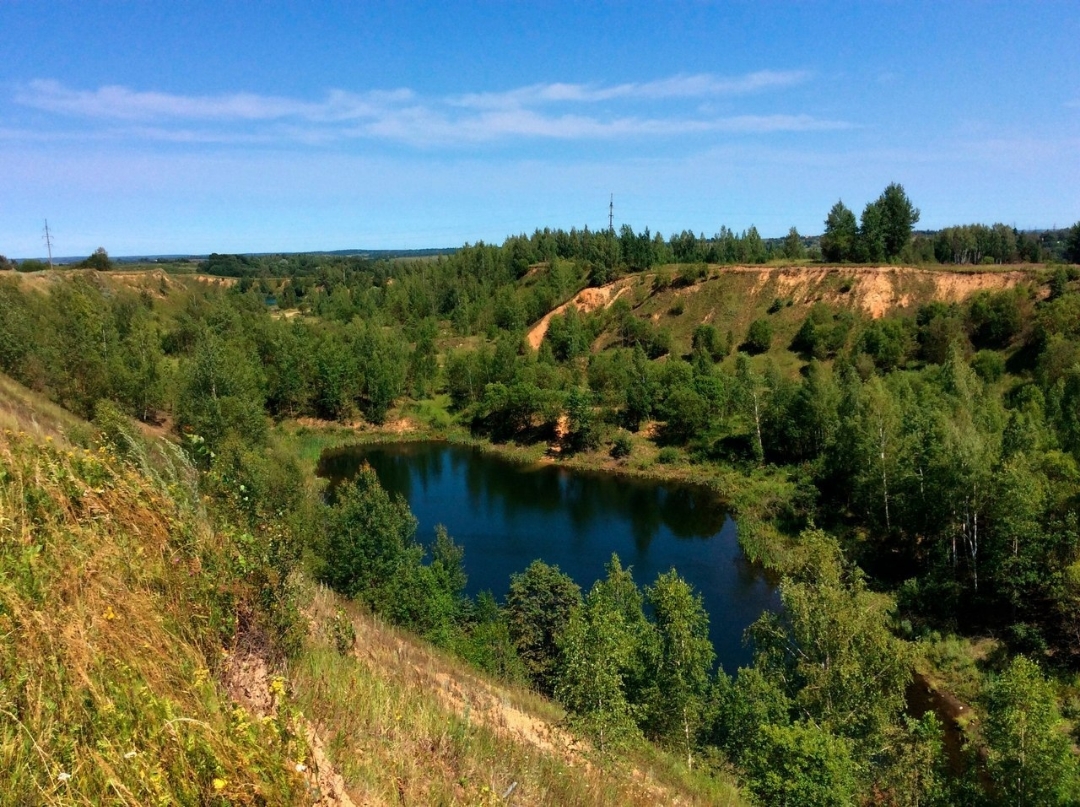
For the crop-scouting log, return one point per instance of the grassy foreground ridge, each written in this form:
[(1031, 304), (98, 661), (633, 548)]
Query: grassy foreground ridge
[(137, 665)]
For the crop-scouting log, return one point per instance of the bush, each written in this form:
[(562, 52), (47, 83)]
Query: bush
[(99, 261), (707, 339), (621, 447), (759, 337), (691, 273), (988, 365), (668, 456)]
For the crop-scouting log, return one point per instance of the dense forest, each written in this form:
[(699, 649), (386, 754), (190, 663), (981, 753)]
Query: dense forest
[(918, 474)]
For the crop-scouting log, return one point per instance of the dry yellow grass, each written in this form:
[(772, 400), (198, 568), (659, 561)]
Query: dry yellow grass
[(405, 723), (112, 613)]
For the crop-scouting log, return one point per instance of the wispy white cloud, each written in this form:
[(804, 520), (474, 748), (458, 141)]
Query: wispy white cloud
[(122, 103), (540, 112), (421, 126), (676, 87)]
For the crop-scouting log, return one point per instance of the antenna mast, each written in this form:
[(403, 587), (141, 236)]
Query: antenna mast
[(47, 238), (611, 214)]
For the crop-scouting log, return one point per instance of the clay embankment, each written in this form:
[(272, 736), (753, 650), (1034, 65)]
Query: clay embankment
[(878, 289)]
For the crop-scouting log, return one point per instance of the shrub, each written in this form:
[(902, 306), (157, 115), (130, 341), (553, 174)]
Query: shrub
[(668, 456), (988, 365), (759, 337), (621, 447)]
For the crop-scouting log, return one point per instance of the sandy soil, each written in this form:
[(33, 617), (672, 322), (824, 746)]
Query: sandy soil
[(877, 289), (246, 678), (584, 301)]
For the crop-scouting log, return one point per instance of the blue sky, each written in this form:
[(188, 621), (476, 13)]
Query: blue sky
[(191, 127)]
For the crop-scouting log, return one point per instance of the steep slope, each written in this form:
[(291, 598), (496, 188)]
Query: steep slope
[(731, 296), (116, 601), (133, 669)]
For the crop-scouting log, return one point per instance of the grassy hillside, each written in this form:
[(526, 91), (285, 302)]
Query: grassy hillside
[(117, 606), (133, 668)]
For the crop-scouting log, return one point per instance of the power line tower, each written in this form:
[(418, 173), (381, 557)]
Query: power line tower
[(47, 238), (611, 215)]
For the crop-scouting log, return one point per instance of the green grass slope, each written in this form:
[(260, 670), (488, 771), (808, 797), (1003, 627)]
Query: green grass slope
[(133, 670)]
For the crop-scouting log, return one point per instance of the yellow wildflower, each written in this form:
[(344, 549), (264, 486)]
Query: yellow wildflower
[(219, 783), (110, 614)]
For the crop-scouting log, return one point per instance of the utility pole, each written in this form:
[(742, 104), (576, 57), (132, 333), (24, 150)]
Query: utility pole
[(47, 238), (611, 215)]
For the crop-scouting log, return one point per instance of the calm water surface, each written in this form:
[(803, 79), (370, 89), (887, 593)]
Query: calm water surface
[(506, 515)]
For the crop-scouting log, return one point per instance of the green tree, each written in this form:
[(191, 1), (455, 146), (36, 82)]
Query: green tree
[(640, 392), (1072, 244), (759, 337), (220, 392), (383, 359), (1028, 755), (898, 217), (838, 242), (872, 443), (620, 593), (707, 340), (336, 376), (686, 413), (538, 609), (871, 243), (684, 662), (833, 648), (583, 433), (368, 538), (594, 648), (794, 250), (567, 335), (423, 361), (750, 396), (486, 641), (99, 260), (754, 247), (801, 765)]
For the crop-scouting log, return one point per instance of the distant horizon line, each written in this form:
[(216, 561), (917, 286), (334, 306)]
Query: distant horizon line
[(406, 251)]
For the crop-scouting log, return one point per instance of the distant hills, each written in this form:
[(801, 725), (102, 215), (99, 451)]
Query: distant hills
[(373, 254)]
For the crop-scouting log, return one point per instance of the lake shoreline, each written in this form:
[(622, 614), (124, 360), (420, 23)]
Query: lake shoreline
[(755, 497), (506, 513)]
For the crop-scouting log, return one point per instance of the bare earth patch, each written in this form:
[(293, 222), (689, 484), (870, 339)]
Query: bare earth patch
[(876, 289), (246, 677), (584, 301)]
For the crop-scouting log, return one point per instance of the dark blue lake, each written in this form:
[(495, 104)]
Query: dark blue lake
[(506, 515)]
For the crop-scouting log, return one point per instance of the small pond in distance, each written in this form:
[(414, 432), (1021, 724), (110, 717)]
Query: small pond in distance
[(505, 515)]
